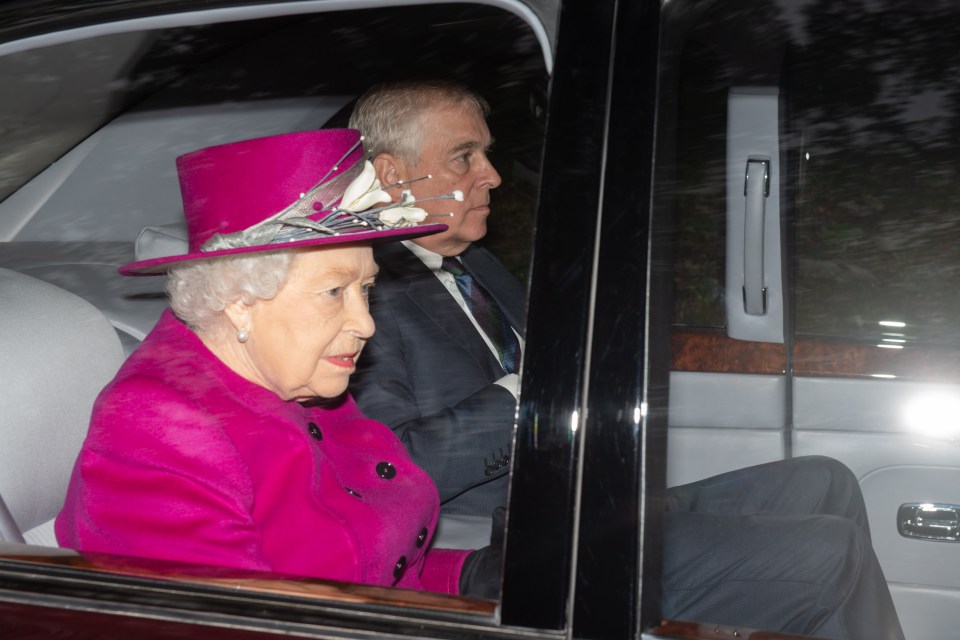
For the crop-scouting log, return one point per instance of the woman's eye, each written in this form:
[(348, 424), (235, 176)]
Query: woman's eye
[(333, 293), (365, 290)]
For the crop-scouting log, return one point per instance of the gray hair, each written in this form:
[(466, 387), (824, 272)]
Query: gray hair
[(388, 115), (199, 292)]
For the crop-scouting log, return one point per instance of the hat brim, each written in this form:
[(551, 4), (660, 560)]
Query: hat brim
[(158, 266)]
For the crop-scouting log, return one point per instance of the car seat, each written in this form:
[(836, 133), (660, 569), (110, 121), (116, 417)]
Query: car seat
[(57, 352)]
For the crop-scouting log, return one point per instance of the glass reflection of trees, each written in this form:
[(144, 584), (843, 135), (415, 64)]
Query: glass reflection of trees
[(871, 99), (876, 94)]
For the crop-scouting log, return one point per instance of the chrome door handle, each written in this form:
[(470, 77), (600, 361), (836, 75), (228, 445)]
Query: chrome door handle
[(929, 521)]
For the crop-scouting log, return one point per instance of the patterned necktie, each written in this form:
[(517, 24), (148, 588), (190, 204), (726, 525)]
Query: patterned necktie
[(487, 313)]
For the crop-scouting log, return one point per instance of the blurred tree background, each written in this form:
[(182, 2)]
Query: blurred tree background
[(870, 132)]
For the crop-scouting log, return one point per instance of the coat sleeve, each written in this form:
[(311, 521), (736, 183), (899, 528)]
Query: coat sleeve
[(441, 570), (158, 478), (462, 444)]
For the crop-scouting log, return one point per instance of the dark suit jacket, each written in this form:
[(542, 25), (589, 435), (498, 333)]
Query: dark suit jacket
[(429, 375)]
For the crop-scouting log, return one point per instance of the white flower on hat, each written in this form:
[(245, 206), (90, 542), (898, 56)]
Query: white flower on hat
[(364, 192), (403, 213)]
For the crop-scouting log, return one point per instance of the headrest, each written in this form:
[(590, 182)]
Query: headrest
[(50, 339)]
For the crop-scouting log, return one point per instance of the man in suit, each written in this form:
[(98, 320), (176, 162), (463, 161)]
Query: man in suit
[(441, 369)]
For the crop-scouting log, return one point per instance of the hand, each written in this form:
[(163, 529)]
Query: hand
[(480, 576)]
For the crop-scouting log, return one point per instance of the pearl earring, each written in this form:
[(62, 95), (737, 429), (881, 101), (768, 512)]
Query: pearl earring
[(242, 335)]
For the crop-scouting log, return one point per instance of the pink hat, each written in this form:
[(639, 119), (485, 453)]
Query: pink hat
[(305, 189)]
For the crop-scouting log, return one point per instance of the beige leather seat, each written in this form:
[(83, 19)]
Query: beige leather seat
[(57, 352)]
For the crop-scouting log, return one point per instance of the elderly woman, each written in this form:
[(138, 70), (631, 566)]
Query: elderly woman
[(227, 437)]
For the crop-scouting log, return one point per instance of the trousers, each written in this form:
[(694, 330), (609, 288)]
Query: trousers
[(783, 546)]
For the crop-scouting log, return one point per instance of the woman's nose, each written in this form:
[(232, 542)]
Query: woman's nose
[(359, 321)]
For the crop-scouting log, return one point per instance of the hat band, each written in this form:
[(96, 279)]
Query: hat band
[(308, 217), (284, 225)]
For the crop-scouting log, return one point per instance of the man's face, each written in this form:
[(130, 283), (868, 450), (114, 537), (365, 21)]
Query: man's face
[(454, 153)]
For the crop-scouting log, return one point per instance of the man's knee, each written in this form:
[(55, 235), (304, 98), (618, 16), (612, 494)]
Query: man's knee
[(838, 487), (833, 551), (836, 471)]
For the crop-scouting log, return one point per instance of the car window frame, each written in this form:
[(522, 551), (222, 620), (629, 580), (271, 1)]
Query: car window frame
[(597, 422), (29, 25), (109, 586)]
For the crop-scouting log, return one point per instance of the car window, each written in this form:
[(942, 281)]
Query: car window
[(90, 139), (877, 160), (97, 123), (851, 114)]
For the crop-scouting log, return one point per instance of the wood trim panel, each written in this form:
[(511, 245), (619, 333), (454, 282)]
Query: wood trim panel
[(822, 357), (266, 583), (711, 351)]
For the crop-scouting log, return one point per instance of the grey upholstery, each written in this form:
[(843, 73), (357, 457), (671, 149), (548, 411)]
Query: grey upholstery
[(460, 531), (56, 353), (89, 270)]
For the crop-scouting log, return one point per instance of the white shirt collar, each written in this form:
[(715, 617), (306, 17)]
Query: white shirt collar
[(433, 260)]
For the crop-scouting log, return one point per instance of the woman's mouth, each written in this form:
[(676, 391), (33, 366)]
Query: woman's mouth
[(344, 361)]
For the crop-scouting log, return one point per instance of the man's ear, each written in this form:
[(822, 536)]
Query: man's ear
[(390, 170)]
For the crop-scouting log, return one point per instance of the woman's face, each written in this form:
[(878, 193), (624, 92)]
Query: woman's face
[(304, 342)]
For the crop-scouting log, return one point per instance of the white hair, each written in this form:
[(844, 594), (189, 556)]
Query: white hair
[(388, 115), (201, 290)]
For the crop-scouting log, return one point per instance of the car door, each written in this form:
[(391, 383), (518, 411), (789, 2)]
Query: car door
[(636, 372), (564, 475), (809, 151), (874, 266), (99, 100)]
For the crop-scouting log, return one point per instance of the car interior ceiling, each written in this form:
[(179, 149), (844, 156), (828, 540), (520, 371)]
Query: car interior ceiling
[(185, 88)]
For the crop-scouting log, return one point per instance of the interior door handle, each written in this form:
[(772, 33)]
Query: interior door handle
[(929, 521), (756, 189)]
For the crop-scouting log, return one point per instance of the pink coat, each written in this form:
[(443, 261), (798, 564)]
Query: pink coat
[(187, 461)]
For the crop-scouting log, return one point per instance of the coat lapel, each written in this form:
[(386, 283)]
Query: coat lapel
[(437, 306)]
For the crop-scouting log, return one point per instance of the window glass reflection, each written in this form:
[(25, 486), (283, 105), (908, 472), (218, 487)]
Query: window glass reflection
[(868, 114), (135, 102), (875, 99)]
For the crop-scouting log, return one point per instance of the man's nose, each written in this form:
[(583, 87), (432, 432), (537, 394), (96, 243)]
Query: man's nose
[(490, 178)]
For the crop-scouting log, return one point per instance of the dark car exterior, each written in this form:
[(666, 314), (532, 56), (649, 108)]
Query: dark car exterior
[(614, 123)]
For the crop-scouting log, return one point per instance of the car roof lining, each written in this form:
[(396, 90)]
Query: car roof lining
[(233, 14)]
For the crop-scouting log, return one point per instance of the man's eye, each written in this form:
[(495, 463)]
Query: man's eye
[(333, 293), (366, 289)]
